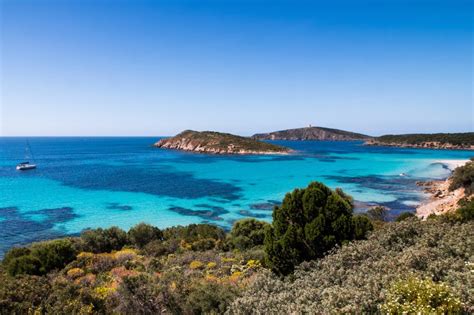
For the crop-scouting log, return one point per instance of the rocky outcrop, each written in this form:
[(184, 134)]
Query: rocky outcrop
[(311, 133), (218, 143), (442, 200)]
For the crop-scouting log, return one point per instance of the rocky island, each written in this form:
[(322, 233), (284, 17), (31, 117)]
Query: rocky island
[(449, 141), (311, 133), (219, 143)]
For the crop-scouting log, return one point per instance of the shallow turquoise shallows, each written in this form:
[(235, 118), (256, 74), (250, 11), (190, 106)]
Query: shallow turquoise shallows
[(99, 182)]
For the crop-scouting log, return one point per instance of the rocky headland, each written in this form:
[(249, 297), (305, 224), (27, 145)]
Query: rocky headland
[(219, 143), (311, 133)]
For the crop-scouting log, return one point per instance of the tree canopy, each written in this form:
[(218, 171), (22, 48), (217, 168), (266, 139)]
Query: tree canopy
[(309, 222)]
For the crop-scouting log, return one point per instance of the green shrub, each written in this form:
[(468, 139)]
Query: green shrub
[(209, 298), (309, 222), (40, 258), (194, 232), (203, 244), (15, 252), (466, 209), (139, 295), (247, 233), (53, 254), (72, 298), (23, 294), (104, 240), (463, 176), (378, 213), (362, 226), (159, 248), (142, 233), (416, 296), (26, 264), (405, 216)]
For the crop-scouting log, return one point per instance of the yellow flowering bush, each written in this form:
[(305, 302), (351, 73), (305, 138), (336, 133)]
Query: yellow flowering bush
[(75, 273), (103, 292), (415, 295), (196, 264), (85, 255), (211, 265), (235, 276), (253, 264), (125, 254)]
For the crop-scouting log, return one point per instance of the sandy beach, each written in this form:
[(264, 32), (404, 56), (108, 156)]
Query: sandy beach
[(442, 200), (453, 164)]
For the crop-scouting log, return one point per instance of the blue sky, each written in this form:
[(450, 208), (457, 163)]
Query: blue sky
[(158, 67)]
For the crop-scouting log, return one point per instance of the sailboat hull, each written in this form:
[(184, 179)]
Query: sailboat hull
[(25, 167)]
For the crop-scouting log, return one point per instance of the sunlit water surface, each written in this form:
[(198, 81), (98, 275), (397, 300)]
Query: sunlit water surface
[(99, 182)]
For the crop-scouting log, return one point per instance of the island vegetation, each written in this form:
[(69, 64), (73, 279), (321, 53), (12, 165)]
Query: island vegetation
[(311, 133), (315, 257), (464, 141), (219, 143)]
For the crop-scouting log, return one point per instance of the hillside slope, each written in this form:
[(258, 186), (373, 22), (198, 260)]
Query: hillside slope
[(460, 141), (311, 133), (218, 143)]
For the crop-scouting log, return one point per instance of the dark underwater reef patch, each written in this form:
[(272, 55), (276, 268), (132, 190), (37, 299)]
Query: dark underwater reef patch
[(269, 205), (157, 180), (118, 206), (395, 207), (209, 214), (394, 184), (211, 207), (247, 213), (20, 228)]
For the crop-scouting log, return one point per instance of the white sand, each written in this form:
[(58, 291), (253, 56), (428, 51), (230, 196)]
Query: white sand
[(452, 164)]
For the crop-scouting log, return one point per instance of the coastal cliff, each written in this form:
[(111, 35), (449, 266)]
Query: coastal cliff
[(218, 143), (311, 133), (448, 141)]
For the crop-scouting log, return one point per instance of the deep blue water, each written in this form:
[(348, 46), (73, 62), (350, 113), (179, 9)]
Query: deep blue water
[(99, 182)]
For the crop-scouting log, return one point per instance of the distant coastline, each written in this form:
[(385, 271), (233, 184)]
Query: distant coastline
[(446, 141), (423, 145)]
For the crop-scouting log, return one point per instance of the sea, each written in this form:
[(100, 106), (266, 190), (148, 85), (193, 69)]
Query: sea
[(83, 183)]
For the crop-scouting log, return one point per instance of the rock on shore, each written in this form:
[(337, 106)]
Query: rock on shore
[(442, 200)]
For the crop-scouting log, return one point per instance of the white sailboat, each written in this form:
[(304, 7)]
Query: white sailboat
[(24, 166)]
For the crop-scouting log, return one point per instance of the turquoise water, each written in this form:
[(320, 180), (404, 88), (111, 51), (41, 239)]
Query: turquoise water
[(99, 182)]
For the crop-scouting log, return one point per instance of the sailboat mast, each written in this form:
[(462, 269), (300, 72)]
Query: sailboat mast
[(28, 150)]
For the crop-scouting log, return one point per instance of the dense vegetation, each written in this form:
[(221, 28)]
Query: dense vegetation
[(311, 133), (466, 138), (463, 176), (217, 142), (365, 275), (191, 270), (402, 266), (309, 222)]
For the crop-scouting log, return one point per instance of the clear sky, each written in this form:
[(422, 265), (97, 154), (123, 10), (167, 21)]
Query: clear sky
[(157, 67)]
